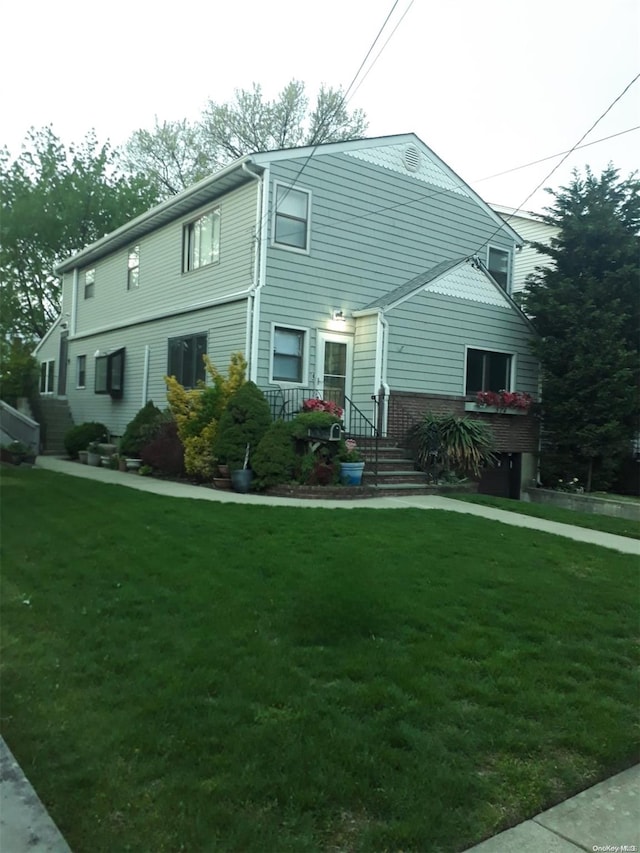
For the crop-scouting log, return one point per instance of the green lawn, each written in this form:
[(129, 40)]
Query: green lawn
[(618, 526), (186, 675)]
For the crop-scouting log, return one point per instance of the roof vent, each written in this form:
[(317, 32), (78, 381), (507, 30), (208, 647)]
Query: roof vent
[(411, 158)]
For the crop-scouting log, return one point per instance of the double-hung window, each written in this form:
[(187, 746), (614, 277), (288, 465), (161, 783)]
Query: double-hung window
[(291, 221), (185, 359), (89, 284), (488, 371), (133, 268), (201, 241), (287, 364), (498, 266)]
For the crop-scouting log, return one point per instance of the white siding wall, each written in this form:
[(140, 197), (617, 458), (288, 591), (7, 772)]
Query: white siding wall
[(528, 258)]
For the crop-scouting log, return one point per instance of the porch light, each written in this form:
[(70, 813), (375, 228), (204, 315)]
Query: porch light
[(338, 316)]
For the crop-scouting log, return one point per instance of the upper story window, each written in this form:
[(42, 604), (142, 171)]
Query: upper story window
[(287, 364), (89, 284), (291, 221), (498, 266), (185, 359), (133, 268), (488, 371), (201, 241)]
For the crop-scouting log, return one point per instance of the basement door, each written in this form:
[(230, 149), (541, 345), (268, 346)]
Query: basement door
[(333, 367)]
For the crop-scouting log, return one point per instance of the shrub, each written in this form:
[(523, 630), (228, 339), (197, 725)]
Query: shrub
[(245, 421), (165, 452), (140, 430), (80, 437), (462, 445), (196, 412), (275, 460), (305, 421)]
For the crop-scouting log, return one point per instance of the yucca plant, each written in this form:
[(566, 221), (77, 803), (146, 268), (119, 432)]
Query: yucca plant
[(462, 445)]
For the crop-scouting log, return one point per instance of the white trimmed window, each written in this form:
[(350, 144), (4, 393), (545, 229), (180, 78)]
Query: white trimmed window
[(291, 220), (89, 284), (133, 268), (288, 355), (498, 266), (488, 371), (201, 241), (81, 371), (47, 371)]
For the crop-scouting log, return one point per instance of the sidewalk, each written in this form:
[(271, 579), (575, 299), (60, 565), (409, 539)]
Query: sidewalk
[(184, 490), (602, 818)]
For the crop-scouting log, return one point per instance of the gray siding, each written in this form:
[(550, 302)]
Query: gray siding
[(427, 340), (225, 326), (163, 287), (366, 240)]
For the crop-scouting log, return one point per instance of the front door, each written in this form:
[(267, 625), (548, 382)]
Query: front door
[(333, 371)]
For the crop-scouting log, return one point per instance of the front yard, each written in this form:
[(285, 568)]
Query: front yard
[(185, 675)]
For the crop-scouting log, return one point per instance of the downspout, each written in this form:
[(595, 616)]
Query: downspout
[(74, 301), (253, 314), (145, 376), (383, 345)]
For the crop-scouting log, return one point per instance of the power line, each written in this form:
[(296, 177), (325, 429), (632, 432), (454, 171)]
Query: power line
[(557, 166), (343, 99), (559, 154)]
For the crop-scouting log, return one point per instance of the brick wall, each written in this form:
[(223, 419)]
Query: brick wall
[(512, 433)]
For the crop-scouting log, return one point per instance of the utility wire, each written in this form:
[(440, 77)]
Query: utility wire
[(557, 166), (559, 154), (343, 99)]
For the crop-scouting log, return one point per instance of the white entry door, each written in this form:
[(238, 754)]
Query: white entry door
[(333, 366)]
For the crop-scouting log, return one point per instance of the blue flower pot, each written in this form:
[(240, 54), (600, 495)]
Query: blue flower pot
[(351, 473)]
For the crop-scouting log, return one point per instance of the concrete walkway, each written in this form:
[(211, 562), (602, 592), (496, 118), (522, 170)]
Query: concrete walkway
[(602, 818), (184, 490)]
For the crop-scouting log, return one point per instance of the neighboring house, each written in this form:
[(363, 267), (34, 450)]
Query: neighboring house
[(532, 229), (345, 268)]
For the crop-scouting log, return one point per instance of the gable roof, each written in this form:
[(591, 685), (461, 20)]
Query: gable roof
[(460, 278), (385, 151)]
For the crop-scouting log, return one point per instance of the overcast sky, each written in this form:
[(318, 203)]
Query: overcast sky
[(487, 84)]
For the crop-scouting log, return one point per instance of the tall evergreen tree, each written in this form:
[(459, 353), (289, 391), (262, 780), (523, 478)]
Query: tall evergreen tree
[(586, 307), (53, 202)]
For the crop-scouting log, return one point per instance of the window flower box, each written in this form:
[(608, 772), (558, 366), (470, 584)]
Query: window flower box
[(500, 402)]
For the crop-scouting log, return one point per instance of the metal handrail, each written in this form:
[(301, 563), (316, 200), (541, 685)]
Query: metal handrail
[(286, 403)]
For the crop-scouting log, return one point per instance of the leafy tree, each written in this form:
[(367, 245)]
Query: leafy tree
[(587, 311), (178, 153), (18, 370), (53, 202)]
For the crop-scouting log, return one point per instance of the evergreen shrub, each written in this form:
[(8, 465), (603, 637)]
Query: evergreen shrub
[(80, 437), (140, 430), (245, 420)]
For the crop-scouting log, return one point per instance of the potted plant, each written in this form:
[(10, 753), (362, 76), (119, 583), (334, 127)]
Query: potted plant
[(93, 454), (351, 464), (82, 456), (241, 477)]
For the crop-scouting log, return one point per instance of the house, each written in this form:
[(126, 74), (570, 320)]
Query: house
[(340, 269), (532, 228)]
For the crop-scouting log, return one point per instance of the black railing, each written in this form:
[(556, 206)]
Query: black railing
[(286, 403)]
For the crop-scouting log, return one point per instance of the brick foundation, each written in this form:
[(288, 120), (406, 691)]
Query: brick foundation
[(512, 433)]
